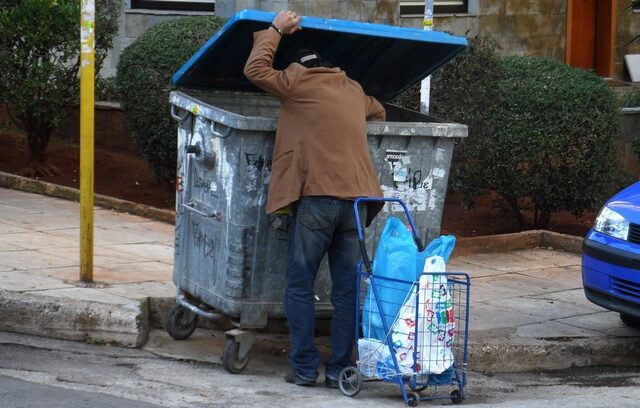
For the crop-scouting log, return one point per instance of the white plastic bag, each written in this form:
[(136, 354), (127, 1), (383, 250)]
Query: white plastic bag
[(435, 324)]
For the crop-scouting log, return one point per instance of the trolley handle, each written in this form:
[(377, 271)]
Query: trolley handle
[(361, 237)]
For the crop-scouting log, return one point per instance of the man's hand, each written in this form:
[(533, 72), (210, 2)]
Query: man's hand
[(287, 21)]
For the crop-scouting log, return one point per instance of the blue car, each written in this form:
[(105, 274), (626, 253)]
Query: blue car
[(611, 256)]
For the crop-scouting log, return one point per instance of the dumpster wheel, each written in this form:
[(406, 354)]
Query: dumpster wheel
[(230, 357), (180, 322)]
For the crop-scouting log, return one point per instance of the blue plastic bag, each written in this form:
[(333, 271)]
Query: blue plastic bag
[(441, 246), (395, 258)]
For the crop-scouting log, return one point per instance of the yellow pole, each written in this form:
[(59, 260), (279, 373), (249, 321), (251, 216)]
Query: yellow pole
[(87, 44)]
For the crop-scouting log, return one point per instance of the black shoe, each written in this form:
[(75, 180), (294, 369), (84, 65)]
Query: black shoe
[(330, 382), (293, 378)]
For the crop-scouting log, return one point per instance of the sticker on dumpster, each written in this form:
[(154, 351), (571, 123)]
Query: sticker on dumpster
[(416, 199), (400, 174), (393, 156), (397, 160)]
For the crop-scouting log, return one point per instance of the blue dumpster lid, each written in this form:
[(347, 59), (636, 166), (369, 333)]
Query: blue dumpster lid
[(385, 60)]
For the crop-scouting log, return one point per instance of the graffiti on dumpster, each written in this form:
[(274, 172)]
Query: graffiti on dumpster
[(280, 223), (256, 163), (203, 241), (410, 183)]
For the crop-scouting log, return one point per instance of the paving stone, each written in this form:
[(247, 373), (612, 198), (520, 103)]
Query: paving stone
[(543, 308), (42, 205), (115, 235), (573, 296), (483, 316), (143, 290), (508, 286), (37, 240), (569, 277), (29, 259), (507, 262), (553, 330), (101, 255), (555, 257), (85, 294), (153, 251), (474, 271), (44, 221), (20, 281), (9, 228), (136, 272), (603, 322), (106, 218)]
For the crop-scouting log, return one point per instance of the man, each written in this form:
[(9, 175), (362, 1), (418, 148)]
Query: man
[(320, 164)]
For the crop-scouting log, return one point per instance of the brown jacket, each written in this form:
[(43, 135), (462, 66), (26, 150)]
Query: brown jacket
[(321, 141)]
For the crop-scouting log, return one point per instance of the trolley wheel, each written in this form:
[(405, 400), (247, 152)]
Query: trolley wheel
[(180, 322), (456, 397), (230, 360), (413, 398), (350, 381)]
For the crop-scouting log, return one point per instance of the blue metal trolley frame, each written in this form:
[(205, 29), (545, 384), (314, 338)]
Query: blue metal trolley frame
[(414, 377)]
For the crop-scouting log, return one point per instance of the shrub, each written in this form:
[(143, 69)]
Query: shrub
[(553, 143), (630, 99), (106, 90), (39, 61), (144, 81), (464, 92)]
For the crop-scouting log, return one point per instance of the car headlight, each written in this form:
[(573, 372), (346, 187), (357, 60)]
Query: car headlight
[(611, 223)]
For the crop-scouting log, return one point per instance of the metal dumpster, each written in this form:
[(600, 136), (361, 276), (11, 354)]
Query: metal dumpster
[(229, 254)]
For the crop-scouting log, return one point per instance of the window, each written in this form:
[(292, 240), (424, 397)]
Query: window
[(416, 8), (191, 5)]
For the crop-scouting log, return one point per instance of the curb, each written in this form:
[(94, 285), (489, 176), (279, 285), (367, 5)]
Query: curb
[(506, 357), (68, 319), (516, 241), (29, 185)]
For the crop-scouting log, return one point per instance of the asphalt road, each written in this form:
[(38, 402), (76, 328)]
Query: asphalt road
[(37, 373), (17, 394)]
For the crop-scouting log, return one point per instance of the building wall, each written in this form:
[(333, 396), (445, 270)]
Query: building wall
[(134, 22), (520, 27), (628, 26)]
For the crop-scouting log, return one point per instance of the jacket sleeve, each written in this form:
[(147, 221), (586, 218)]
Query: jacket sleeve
[(375, 110), (259, 67)]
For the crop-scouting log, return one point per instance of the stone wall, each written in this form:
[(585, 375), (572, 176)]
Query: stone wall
[(520, 27), (628, 28)]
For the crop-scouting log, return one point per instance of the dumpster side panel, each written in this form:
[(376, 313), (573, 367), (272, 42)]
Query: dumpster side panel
[(231, 255)]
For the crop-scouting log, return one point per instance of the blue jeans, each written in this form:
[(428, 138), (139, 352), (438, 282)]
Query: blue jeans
[(322, 225)]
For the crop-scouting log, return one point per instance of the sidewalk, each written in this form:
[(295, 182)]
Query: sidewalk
[(528, 310)]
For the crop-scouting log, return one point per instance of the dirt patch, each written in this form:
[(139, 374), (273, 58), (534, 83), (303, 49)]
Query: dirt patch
[(121, 174), (118, 173)]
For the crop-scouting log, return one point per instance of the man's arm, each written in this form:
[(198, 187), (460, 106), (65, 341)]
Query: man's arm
[(375, 110), (259, 67)]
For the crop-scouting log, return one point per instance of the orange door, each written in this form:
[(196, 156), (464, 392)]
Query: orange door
[(591, 34), (583, 34)]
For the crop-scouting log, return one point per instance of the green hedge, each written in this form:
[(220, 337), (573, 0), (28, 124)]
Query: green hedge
[(144, 82), (39, 64), (552, 147), (541, 134)]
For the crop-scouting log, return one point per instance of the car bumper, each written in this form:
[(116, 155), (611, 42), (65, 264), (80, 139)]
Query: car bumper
[(611, 273)]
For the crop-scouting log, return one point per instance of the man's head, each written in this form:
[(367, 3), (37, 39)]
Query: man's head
[(311, 59)]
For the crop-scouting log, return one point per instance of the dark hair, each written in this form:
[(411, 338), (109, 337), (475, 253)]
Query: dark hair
[(311, 59)]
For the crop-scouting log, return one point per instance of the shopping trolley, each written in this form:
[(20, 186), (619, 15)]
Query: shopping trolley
[(424, 344)]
